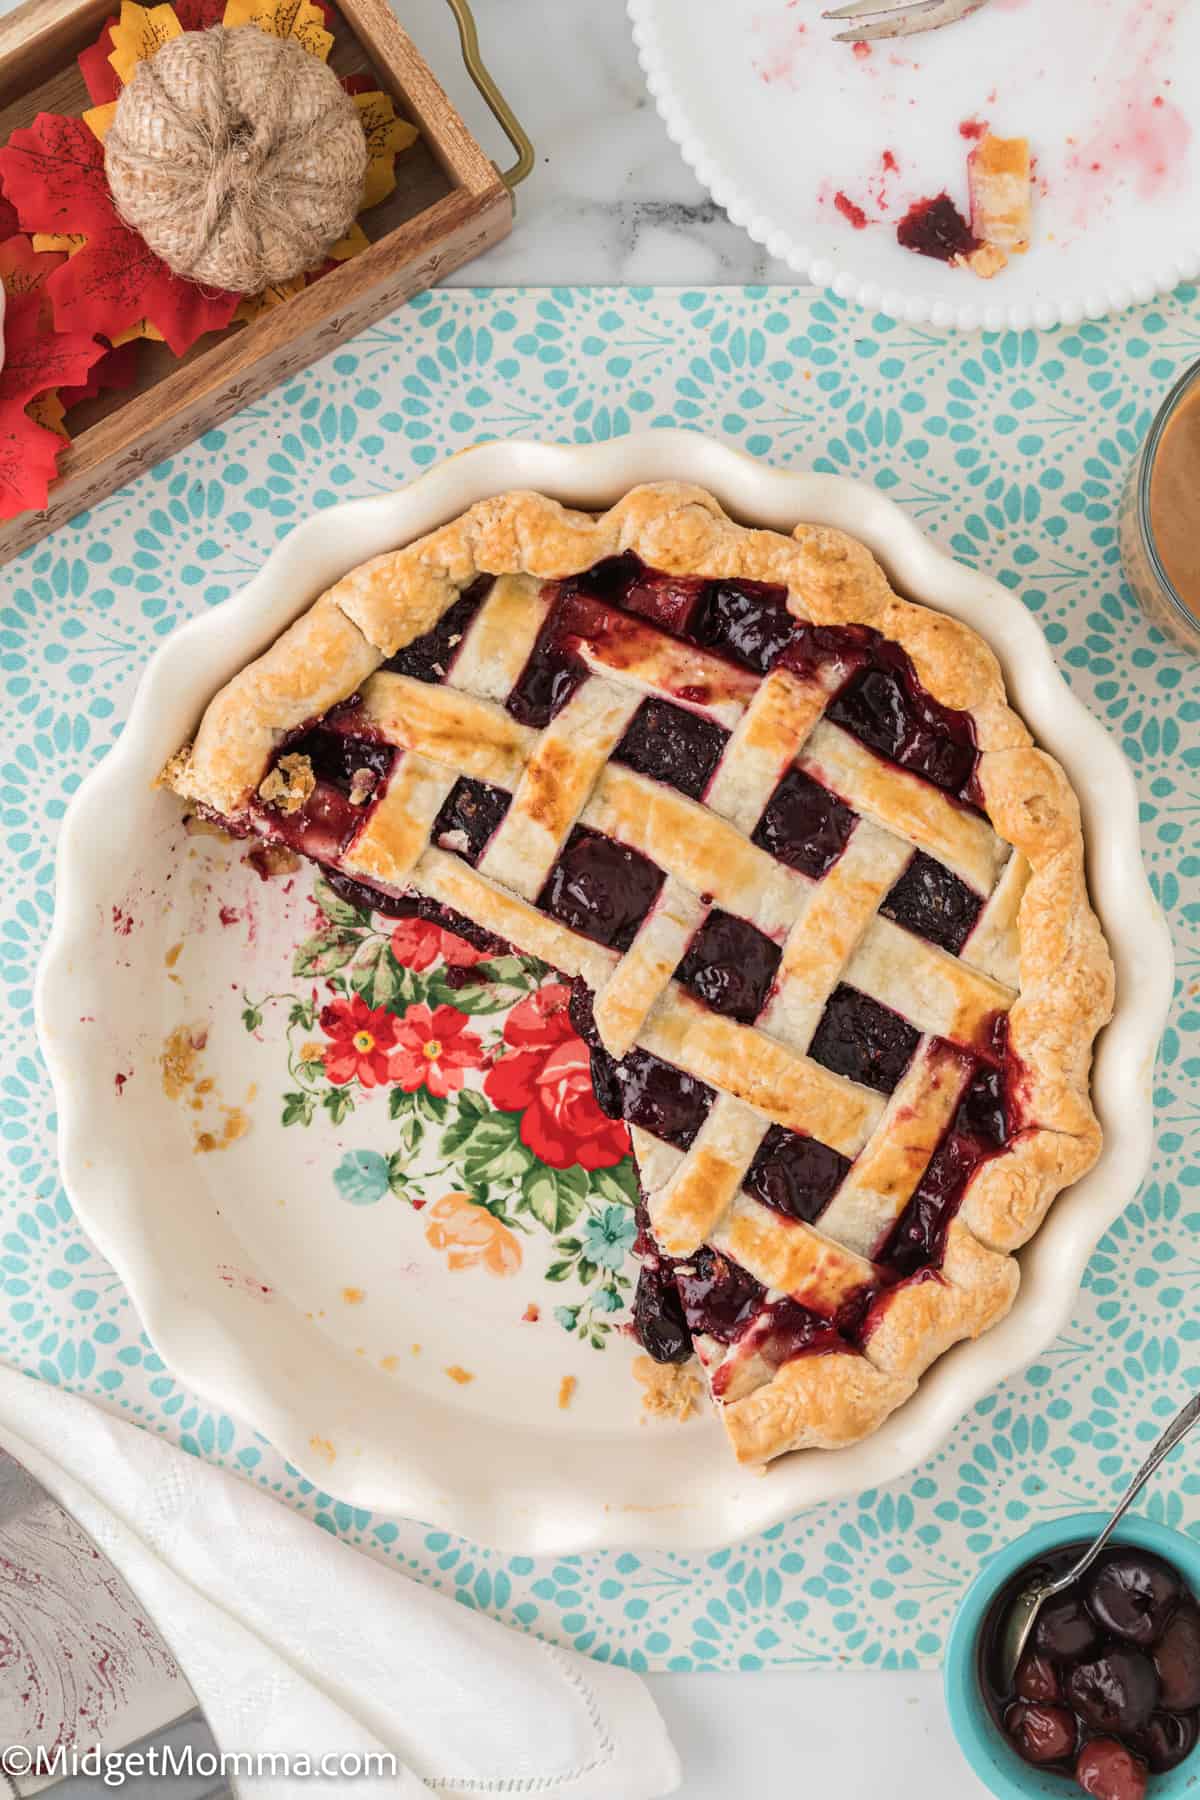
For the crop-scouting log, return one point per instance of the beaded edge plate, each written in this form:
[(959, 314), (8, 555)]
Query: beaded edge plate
[(497, 1457)]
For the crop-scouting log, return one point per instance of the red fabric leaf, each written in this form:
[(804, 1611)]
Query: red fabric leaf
[(22, 268), (198, 15), (360, 84), (9, 221), (115, 369), (116, 279), (36, 359), (54, 176), (99, 76), (28, 460)]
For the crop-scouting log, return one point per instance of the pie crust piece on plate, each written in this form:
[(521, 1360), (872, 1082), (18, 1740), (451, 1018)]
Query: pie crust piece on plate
[(821, 898)]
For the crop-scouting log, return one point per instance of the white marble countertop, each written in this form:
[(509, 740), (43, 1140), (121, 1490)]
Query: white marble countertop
[(611, 199)]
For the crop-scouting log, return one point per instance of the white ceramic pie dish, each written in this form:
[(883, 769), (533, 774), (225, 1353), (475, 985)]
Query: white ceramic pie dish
[(490, 1459)]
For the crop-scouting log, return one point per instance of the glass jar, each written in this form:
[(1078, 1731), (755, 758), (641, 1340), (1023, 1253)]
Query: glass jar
[(1141, 556)]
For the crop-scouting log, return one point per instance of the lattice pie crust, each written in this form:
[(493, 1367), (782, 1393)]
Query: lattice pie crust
[(831, 1317)]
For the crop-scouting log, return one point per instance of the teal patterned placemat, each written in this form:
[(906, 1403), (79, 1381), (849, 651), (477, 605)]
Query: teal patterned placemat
[(1011, 451)]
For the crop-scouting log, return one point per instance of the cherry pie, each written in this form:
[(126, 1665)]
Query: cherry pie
[(822, 901)]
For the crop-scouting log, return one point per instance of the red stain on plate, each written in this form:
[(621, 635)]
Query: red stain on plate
[(243, 1283), (850, 210)]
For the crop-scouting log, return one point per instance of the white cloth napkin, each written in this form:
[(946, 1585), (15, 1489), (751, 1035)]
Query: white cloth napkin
[(295, 1642)]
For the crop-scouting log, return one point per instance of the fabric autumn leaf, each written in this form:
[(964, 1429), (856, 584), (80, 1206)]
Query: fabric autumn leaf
[(99, 76), (28, 461), (53, 173), (36, 359)]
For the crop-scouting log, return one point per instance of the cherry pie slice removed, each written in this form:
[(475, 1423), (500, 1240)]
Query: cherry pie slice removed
[(821, 899)]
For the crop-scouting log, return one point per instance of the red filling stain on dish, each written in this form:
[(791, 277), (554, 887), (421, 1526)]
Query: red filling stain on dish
[(888, 166), (1148, 142), (862, 50), (972, 129), (850, 210), (229, 915), (119, 1081), (122, 922), (243, 1283), (935, 227)]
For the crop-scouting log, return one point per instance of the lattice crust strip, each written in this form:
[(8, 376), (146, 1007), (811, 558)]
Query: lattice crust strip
[(1035, 953)]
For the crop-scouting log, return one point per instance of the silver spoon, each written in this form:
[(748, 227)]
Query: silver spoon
[(1022, 1614)]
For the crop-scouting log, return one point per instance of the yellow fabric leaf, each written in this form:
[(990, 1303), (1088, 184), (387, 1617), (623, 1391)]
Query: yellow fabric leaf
[(298, 19), (140, 31), (98, 119), (254, 305), (70, 241), (385, 134), (353, 244), (48, 410), (141, 328)]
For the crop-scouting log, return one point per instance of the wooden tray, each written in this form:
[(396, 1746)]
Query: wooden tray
[(449, 204)]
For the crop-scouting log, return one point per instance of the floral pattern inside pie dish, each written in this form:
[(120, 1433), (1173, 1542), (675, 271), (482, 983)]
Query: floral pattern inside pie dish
[(821, 901)]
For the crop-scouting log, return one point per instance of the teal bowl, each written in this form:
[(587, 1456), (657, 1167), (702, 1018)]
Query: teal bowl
[(998, 1766)]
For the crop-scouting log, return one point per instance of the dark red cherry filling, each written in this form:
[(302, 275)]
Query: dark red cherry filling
[(933, 902), (863, 1040), (642, 1089), (805, 825), (658, 1317), (936, 228), (730, 966), (673, 745), (1110, 1691), (746, 620), (719, 1297), (428, 658), (343, 766), (600, 888), (786, 1330), (469, 815), (796, 1175), (885, 706), (978, 1131)]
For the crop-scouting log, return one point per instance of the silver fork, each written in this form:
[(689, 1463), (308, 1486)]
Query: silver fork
[(888, 19)]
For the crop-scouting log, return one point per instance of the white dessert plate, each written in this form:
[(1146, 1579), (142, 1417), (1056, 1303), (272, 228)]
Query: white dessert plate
[(280, 1274), (778, 120)]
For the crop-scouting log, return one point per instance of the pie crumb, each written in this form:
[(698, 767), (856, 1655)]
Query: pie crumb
[(462, 1376), (288, 785), (196, 825), (388, 1363), (566, 1391), (362, 786), (323, 1448), (354, 1296), (172, 956), (985, 262), (669, 1391), (271, 859), (416, 1349), (178, 1058), (532, 1313)]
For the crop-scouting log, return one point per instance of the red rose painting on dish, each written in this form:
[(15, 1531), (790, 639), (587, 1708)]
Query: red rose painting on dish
[(545, 1073)]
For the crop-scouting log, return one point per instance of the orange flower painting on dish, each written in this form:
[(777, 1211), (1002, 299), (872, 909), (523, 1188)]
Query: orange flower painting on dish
[(471, 1236)]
